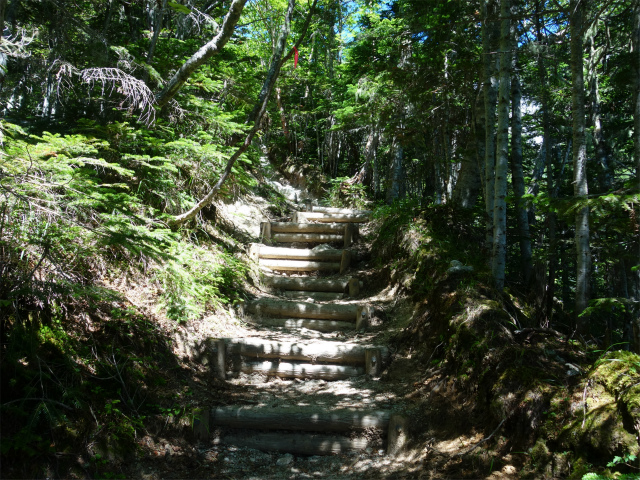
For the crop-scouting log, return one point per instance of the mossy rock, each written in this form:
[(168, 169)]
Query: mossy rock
[(602, 431)]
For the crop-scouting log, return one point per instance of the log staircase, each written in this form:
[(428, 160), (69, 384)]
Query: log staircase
[(305, 290)]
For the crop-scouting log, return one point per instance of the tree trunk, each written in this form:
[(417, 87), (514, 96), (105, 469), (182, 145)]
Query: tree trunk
[(636, 109), (489, 35), (396, 186), (517, 174), (580, 186), (268, 86), (602, 157), (502, 151), (203, 54)]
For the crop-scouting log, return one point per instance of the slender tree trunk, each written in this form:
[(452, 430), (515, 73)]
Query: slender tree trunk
[(636, 141), (283, 119), (396, 187), (502, 150), (203, 54), (157, 26), (602, 157), (272, 75), (517, 175), (580, 185), (636, 109), (489, 35)]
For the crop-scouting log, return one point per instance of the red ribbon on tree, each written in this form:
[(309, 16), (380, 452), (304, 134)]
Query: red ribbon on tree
[(295, 57)]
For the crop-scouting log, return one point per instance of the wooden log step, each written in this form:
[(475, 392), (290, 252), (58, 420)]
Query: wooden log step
[(283, 308), (296, 443), (299, 418), (288, 232), (351, 285), (290, 227), (317, 351), (296, 323), (301, 370), (317, 217), (314, 254), (345, 211), (318, 296), (306, 237), (300, 266)]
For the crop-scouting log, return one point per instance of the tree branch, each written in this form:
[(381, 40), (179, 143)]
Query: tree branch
[(261, 106), (203, 54)]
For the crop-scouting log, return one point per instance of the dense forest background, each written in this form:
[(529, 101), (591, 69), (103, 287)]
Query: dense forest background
[(124, 122)]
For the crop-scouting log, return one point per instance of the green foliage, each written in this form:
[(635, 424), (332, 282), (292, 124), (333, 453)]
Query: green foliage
[(346, 194), (197, 280)]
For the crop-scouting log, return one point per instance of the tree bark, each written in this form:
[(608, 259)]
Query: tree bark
[(636, 109), (502, 151), (489, 36), (580, 185), (602, 157), (203, 54), (517, 175), (269, 83), (396, 187)]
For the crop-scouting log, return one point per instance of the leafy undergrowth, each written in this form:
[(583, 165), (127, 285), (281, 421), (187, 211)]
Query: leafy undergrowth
[(539, 399), (102, 307)]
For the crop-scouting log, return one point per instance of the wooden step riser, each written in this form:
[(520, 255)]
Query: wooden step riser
[(313, 217), (324, 326), (347, 285), (287, 370), (315, 352), (323, 360), (299, 418), (283, 253), (301, 431), (358, 314), (346, 211), (295, 443), (315, 296), (301, 260), (288, 232)]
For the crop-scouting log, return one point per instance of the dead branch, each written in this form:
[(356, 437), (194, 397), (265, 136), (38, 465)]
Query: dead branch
[(137, 94)]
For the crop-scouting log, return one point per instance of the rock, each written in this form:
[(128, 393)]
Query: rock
[(459, 267), (285, 460)]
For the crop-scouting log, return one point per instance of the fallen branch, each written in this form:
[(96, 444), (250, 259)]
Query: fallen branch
[(35, 399), (484, 440), (543, 331)]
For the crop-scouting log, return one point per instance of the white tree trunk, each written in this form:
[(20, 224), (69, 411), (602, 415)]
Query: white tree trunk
[(502, 153), (580, 186)]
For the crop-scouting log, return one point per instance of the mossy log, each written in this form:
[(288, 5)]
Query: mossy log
[(299, 418)]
